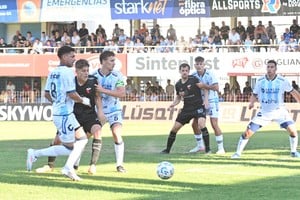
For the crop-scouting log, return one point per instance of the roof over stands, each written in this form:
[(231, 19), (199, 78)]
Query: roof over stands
[(13, 11)]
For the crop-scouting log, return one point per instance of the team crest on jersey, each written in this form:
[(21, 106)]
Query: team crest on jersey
[(88, 90), (271, 6)]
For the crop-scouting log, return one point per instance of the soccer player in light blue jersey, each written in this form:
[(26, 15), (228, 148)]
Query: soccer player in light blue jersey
[(211, 84), (61, 91), (111, 87), (269, 92)]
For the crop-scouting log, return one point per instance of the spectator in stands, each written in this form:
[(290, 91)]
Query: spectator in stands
[(16, 37), (48, 47), (241, 30), (128, 46), (294, 28), (44, 38), (122, 38), (129, 87), (155, 32), (36, 91), (248, 44), (56, 37), (182, 45), (3, 97), (282, 45), (137, 35), (116, 32), (212, 29), (153, 96), (203, 39), (259, 31), (287, 35), (234, 41), (101, 30), (138, 46), (294, 85), (75, 39), (235, 87), (143, 30), (2, 44), (68, 42), (65, 37), (271, 32), (293, 45), (10, 86), (247, 90), (224, 32), (100, 41), (29, 37), (217, 40), (26, 91), (148, 42), (250, 30), (171, 33), (170, 90), (83, 34), (226, 89), (37, 47)]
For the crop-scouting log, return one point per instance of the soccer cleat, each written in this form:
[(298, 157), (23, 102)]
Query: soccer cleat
[(295, 154), (70, 174), (165, 151), (236, 156), (30, 159), (197, 149), (44, 169), (121, 169), (220, 152), (92, 169)]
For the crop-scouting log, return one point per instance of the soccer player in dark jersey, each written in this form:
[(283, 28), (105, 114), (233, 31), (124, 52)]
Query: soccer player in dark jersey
[(87, 117), (188, 89)]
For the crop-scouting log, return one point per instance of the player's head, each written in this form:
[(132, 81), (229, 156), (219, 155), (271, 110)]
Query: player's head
[(184, 70), (82, 69), (66, 54), (107, 60), (271, 68), (199, 63)]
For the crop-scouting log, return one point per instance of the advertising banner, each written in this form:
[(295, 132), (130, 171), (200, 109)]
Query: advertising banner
[(154, 9), (147, 111), (40, 65), (8, 11)]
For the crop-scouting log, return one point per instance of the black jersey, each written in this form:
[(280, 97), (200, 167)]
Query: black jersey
[(87, 90), (192, 98)]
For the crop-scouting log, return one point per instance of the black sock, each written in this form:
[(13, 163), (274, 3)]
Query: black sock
[(205, 136), (51, 160), (171, 140), (96, 148)]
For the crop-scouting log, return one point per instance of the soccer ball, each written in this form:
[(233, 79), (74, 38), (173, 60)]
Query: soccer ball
[(165, 170)]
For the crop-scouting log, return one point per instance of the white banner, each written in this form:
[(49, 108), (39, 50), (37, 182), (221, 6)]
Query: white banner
[(78, 10)]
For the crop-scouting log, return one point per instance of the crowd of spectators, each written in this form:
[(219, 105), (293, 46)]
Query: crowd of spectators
[(239, 38)]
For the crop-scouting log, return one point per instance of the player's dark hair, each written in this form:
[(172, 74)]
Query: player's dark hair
[(199, 59), (272, 61), (104, 55), (81, 63), (183, 65), (64, 50)]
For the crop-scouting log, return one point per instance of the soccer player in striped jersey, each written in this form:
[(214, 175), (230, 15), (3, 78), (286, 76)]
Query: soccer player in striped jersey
[(269, 92), (211, 84), (111, 87), (61, 91)]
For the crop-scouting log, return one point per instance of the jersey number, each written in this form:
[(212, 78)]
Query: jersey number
[(53, 90)]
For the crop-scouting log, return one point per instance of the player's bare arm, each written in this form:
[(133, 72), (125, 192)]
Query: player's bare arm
[(252, 100), (100, 114), (176, 101), (78, 99), (48, 97), (119, 92)]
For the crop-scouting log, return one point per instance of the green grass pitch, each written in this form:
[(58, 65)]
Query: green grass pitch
[(266, 171)]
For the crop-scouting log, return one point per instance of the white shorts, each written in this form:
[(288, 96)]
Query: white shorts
[(66, 126), (116, 117), (213, 110), (279, 116)]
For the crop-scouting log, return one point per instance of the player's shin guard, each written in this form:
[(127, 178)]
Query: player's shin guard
[(119, 151), (205, 136), (171, 140), (75, 154), (96, 148)]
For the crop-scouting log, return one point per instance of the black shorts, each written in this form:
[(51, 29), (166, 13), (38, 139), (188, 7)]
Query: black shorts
[(185, 117), (87, 122)]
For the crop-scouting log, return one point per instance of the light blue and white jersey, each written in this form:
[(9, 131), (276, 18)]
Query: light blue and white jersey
[(111, 81), (270, 93), (60, 82), (209, 78)]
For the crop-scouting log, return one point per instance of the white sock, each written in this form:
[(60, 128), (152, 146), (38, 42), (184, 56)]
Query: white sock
[(77, 161), (241, 145), (56, 150), (75, 153), (293, 143), (199, 140), (219, 140), (119, 151)]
